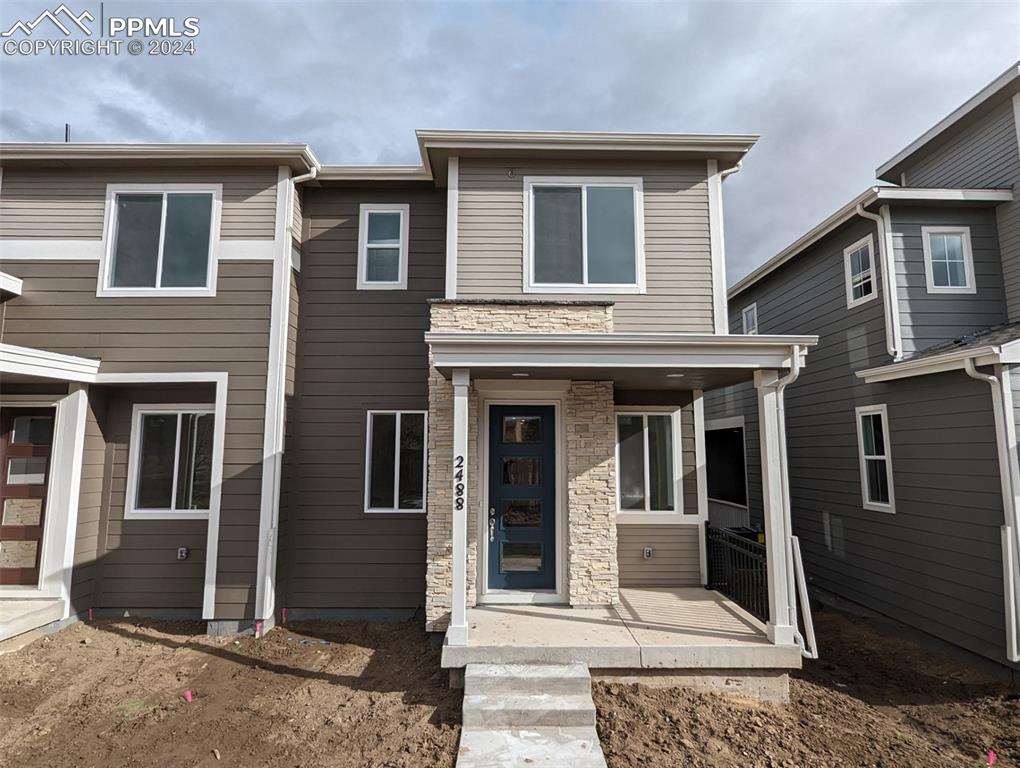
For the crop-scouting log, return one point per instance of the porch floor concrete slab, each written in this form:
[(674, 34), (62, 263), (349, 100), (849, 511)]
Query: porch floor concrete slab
[(651, 628), (18, 616)]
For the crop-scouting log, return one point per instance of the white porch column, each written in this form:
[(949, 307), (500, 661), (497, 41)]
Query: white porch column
[(457, 634), (773, 460)]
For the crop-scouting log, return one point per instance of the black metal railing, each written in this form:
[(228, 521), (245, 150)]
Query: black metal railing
[(737, 568)]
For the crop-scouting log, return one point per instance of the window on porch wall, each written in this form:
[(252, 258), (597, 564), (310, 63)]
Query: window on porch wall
[(645, 468)]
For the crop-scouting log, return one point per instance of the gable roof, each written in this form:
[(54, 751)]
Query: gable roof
[(1006, 84)]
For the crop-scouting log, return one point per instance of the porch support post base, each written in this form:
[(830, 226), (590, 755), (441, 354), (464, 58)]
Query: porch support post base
[(457, 634)]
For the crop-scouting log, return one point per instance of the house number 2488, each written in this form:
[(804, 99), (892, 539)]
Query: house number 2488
[(458, 484)]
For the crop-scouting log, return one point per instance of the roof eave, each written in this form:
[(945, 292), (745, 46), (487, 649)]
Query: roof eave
[(298, 156)]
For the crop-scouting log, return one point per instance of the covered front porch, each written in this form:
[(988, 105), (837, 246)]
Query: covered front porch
[(629, 591)]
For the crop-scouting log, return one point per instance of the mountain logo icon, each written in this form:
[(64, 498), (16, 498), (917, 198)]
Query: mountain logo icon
[(61, 17)]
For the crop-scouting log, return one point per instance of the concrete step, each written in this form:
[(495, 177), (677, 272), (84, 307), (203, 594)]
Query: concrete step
[(527, 678), (507, 710), (534, 747), (19, 616)]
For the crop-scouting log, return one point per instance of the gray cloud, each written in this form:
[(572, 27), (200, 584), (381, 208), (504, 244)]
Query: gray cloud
[(833, 88)]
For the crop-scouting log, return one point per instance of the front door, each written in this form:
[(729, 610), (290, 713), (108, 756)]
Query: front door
[(26, 446), (521, 524)]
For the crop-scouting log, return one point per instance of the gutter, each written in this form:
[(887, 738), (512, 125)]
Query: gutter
[(1009, 475), (893, 336)]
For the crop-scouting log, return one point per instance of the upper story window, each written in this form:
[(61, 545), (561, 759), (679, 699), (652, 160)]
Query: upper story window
[(749, 319), (382, 246), (860, 272), (948, 259), (171, 457), (161, 239), (584, 235), (876, 461)]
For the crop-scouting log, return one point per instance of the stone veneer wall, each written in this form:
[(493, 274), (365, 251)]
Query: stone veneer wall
[(588, 411)]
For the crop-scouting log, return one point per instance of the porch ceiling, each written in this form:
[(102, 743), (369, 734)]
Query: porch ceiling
[(631, 360)]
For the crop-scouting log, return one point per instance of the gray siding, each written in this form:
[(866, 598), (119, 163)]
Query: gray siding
[(935, 564), (926, 318), (357, 350), (60, 312), (490, 247), (676, 562), (69, 204)]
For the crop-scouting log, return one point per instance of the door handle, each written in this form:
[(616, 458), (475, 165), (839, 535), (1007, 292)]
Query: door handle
[(492, 529)]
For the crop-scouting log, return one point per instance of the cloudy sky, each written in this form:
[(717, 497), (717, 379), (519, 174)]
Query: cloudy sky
[(834, 88)]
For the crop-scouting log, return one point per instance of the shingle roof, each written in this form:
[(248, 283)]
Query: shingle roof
[(987, 337)]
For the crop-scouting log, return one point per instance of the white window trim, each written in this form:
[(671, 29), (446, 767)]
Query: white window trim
[(632, 516), (731, 422), (110, 230), (850, 300), (134, 454), (636, 183), (369, 509), (968, 260), (400, 284), (865, 410), (752, 307)]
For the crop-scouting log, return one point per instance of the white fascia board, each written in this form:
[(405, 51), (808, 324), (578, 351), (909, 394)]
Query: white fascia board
[(300, 155), (47, 365), (950, 361), (922, 194), (588, 140), (10, 284)]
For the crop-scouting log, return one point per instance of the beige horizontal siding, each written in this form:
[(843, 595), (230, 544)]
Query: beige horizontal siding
[(676, 562), (678, 263), (70, 204)]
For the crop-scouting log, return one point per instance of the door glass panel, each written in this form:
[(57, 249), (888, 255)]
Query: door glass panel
[(522, 470), (18, 554), (22, 512), (28, 470), (520, 556), (32, 430), (522, 513), (522, 429)]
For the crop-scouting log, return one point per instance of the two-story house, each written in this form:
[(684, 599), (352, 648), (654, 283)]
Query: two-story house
[(902, 433), (241, 385)]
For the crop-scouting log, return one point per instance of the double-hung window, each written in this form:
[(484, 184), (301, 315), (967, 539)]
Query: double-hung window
[(647, 470), (875, 458), (161, 239), (395, 461), (948, 259), (860, 272), (584, 235), (749, 319), (382, 246), (170, 462)]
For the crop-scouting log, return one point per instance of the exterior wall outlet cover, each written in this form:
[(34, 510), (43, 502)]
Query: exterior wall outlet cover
[(649, 553), (182, 553)]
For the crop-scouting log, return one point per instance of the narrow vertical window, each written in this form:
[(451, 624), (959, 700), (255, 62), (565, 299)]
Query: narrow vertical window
[(382, 246), (875, 458), (395, 461), (860, 275), (646, 462), (749, 319), (948, 259)]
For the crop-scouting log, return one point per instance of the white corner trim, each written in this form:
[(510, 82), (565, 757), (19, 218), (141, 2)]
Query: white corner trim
[(48, 365), (44, 249), (10, 284), (869, 242), (968, 259), (701, 476), (400, 283), (103, 288), (584, 287), (720, 312), (452, 207), (276, 379), (874, 506), (1016, 128), (138, 412), (1009, 469)]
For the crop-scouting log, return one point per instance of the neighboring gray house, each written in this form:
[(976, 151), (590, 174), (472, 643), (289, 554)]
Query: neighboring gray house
[(902, 430)]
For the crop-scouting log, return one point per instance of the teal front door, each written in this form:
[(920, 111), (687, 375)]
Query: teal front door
[(521, 523)]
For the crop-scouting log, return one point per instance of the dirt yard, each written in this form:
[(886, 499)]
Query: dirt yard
[(872, 699), (113, 694)]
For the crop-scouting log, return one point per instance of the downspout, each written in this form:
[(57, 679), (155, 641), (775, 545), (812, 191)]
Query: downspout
[(893, 343), (1011, 526), (731, 171), (781, 385)]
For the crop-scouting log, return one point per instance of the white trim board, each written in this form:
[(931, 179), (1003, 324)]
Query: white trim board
[(10, 284), (43, 249), (452, 209), (47, 365), (717, 243)]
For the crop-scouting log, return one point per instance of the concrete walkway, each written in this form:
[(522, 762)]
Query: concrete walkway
[(18, 616), (528, 715)]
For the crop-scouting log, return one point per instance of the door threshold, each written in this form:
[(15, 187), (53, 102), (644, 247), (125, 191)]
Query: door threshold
[(532, 597)]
